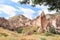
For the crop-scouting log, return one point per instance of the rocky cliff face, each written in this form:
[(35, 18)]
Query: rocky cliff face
[(53, 20), (19, 21), (42, 21), (36, 22), (4, 23)]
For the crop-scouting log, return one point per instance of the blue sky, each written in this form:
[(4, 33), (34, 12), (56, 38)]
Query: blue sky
[(10, 8)]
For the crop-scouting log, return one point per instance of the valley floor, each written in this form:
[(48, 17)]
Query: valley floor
[(9, 35)]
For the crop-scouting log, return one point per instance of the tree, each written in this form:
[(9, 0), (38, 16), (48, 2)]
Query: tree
[(53, 4)]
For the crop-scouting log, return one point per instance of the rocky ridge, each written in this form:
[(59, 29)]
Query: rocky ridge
[(22, 21)]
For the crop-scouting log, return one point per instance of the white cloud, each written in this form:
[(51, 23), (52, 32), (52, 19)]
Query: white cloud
[(28, 12), (7, 17), (15, 0), (31, 2), (45, 9), (39, 12), (0, 12), (8, 10)]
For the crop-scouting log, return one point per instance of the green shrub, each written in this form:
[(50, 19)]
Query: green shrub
[(43, 39), (52, 30), (19, 30), (29, 30), (3, 34), (48, 34)]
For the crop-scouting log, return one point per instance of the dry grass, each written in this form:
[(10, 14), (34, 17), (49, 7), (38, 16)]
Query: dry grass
[(15, 36)]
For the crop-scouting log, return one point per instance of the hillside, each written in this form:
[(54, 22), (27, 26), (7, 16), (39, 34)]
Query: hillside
[(5, 23), (10, 35), (28, 33), (19, 20)]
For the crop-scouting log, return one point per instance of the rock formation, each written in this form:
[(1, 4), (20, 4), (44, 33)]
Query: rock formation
[(4, 23), (19, 21), (36, 22), (42, 21)]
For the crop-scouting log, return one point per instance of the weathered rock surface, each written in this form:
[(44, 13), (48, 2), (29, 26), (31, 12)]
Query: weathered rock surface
[(19, 21), (42, 21), (4, 23)]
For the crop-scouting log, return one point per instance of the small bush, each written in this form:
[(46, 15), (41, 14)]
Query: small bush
[(29, 30), (43, 39), (48, 34), (19, 30), (52, 30), (4, 34)]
